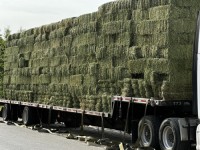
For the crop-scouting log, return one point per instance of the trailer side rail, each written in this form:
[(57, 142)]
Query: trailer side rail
[(59, 108), (152, 101)]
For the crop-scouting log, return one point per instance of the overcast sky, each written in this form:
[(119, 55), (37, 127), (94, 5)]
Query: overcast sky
[(26, 14)]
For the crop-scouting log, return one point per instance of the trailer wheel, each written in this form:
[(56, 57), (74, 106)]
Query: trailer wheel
[(6, 113), (169, 136), (28, 116), (148, 128)]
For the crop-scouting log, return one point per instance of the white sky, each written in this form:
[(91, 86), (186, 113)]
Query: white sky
[(26, 14)]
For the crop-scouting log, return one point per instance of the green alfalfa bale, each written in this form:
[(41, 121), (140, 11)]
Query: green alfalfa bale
[(108, 17), (127, 91), (181, 39), (158, 65), (104, 72), (44, 79), (15, 71), (34, 79), (159, 39), (83, 102), (83, 28), (93, 69), (6, 79), (87, 18), (124, 4), (44, 62), (137, 66), (75, 101), (90, 80), (26, 72), (119, 72), (150, 51), (148, 27), (185, 3), (52, 87), (127, 81), (12, 50), (35, 71), (116, 5), (124, 14), (148, 89), (105, 102), (85, 39), (99, 105), (7, 66), (115, 27), (92, 102), (23, 80), (55, 61), (37, 46), (141, 88), (161, 12), (156, 80), (183, 25), (127, 88), (146, 4), (139, 15), (13, 65), (67, 41), (87, 100), (76, 80), (124, 39), (105, 40), (65, 70), (64, 101)]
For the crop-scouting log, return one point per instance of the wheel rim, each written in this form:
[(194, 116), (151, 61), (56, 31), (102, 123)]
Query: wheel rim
[(25, 117), (4, 114), (168, 137), (146, 135)]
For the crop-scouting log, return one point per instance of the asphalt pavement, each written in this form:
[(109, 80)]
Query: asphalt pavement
[(19, 138)]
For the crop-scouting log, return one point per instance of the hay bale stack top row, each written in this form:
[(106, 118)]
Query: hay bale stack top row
[(128, 47)]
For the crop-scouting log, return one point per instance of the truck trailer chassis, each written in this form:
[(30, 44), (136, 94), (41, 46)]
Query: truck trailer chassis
[(144, 118)]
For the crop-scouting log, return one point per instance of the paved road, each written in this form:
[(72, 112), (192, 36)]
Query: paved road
[(18, 138)]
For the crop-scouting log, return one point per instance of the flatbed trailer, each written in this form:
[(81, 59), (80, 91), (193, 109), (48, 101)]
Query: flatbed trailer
[(139, 116), (162, 124)]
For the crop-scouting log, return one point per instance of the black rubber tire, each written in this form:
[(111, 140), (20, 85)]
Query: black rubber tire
[(6, 113), (29, 116), (170, 127), (148, 129)]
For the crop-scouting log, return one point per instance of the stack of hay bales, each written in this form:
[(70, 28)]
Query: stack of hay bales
[(2, 49), (128, 47)]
